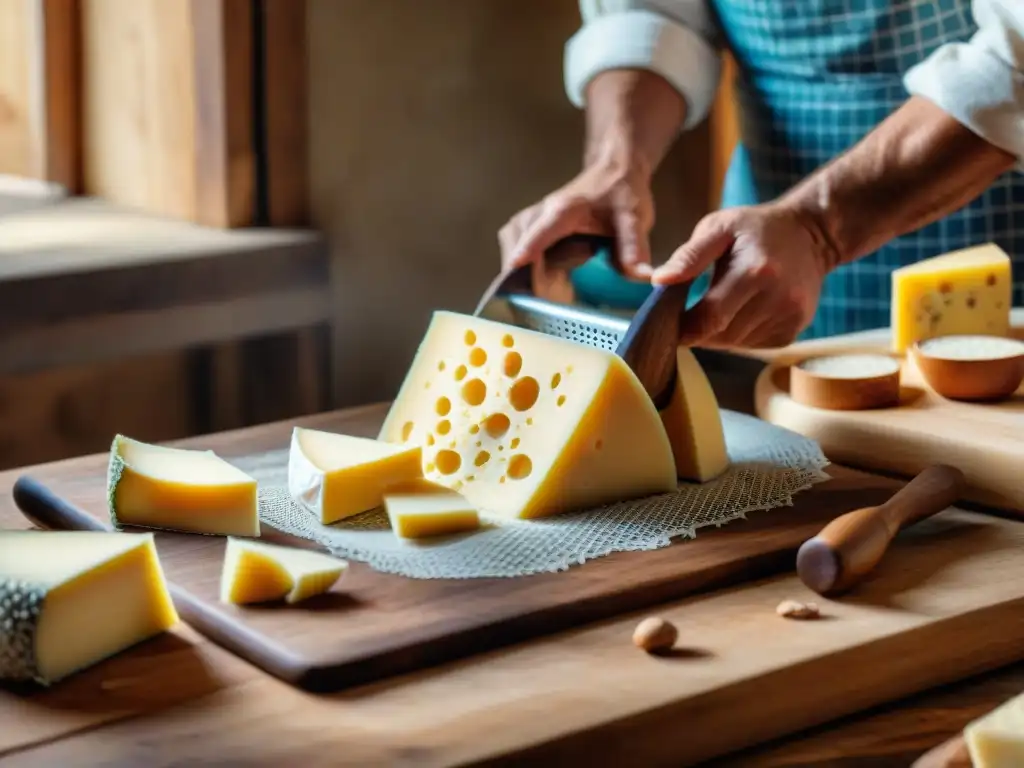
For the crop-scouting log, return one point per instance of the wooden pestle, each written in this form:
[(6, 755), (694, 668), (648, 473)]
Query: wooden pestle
[(848, 548)]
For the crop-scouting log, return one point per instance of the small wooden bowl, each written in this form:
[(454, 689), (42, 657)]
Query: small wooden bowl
[(965, 367), (846, 382)]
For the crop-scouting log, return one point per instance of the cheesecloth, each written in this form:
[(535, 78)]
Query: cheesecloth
[(769, 465)]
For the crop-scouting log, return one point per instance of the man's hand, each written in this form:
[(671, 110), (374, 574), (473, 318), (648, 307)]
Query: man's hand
[(632, 118), (769, 264), (609, 197)]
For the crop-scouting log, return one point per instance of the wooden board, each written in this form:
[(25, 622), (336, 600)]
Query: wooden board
[(983, 440), (168, 107), (375, 624), (945, 604), (40, 91)]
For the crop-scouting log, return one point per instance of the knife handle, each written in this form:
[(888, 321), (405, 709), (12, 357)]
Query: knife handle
[(848, 549)]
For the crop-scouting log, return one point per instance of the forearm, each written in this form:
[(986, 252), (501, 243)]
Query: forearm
[(633, 117), (644, 71), (916, 167)]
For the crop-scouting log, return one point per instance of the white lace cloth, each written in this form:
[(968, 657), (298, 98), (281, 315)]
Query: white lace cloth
[(769, 465)]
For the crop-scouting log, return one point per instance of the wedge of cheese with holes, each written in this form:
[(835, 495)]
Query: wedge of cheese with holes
[(154, 486), (963, 292), (69, 599), (693, 422), (257, 572), (997, 739), (422, 509), (338, 476), (527, 425)]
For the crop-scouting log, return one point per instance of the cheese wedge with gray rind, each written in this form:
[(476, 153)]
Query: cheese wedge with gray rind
[(256, 572), (422, 509), (153, 486), (70, 599), (338, 476), (527, 425), (693, 422), (996, 740)]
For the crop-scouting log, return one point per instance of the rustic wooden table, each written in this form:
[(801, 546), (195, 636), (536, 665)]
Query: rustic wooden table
[(181, 700)]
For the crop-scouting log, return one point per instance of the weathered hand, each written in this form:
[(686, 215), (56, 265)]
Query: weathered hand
[(769, 264), (608, 198)]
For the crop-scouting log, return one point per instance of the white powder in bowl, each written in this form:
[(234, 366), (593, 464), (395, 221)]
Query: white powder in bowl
[(852, 366), (965, 347)]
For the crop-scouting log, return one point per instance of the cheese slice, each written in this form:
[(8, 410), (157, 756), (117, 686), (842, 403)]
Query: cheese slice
[(997, 739), (180, 490), (256, 572), (422, 509), (338, 476), (963, 292), (694, 423), (527, 425), (69, 599)]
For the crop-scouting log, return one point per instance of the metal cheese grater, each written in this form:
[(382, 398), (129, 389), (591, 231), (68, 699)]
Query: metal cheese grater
[(646, 339)]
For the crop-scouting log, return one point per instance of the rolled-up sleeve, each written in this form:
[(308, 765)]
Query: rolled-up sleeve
[(980, 83), (674, 39)]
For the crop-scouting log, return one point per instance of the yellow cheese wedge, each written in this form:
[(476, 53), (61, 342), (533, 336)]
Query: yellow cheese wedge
[(694, 423), (69, 599), (180, 490), (338, 476), (997, 739), (422, 509), (963, 292), (256, 572), (526, 425)]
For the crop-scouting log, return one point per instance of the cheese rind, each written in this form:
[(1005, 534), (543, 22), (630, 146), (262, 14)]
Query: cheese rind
[(338, 476), (423, 509), (527, 425), (693, 422), (996, 740), (963, 292), (256, 572), (70, 599), (154, 486)]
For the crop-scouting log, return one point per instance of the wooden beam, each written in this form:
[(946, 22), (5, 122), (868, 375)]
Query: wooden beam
[(40, 91), (167, 115), (724, 131)]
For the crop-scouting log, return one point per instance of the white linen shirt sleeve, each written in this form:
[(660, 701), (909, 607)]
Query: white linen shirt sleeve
[(672, 38), (980, 83)]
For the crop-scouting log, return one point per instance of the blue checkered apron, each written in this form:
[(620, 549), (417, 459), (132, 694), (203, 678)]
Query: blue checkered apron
[(817, 75)]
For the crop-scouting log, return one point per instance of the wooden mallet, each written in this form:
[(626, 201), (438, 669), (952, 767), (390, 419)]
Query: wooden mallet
[(849, 547)]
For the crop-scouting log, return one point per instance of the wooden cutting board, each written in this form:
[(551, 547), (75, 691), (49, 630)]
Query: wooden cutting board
[(985, 441), (373, 624), (946, 602)]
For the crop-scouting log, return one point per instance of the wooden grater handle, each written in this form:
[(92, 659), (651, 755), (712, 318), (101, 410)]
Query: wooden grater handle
[(649, 346), (848, 549), (570, 252)]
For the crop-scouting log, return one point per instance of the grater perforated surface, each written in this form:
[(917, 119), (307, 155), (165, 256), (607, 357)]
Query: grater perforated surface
[(584, 325)]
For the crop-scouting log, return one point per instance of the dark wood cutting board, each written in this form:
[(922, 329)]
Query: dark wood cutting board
[(952, 754), (372, 625)]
